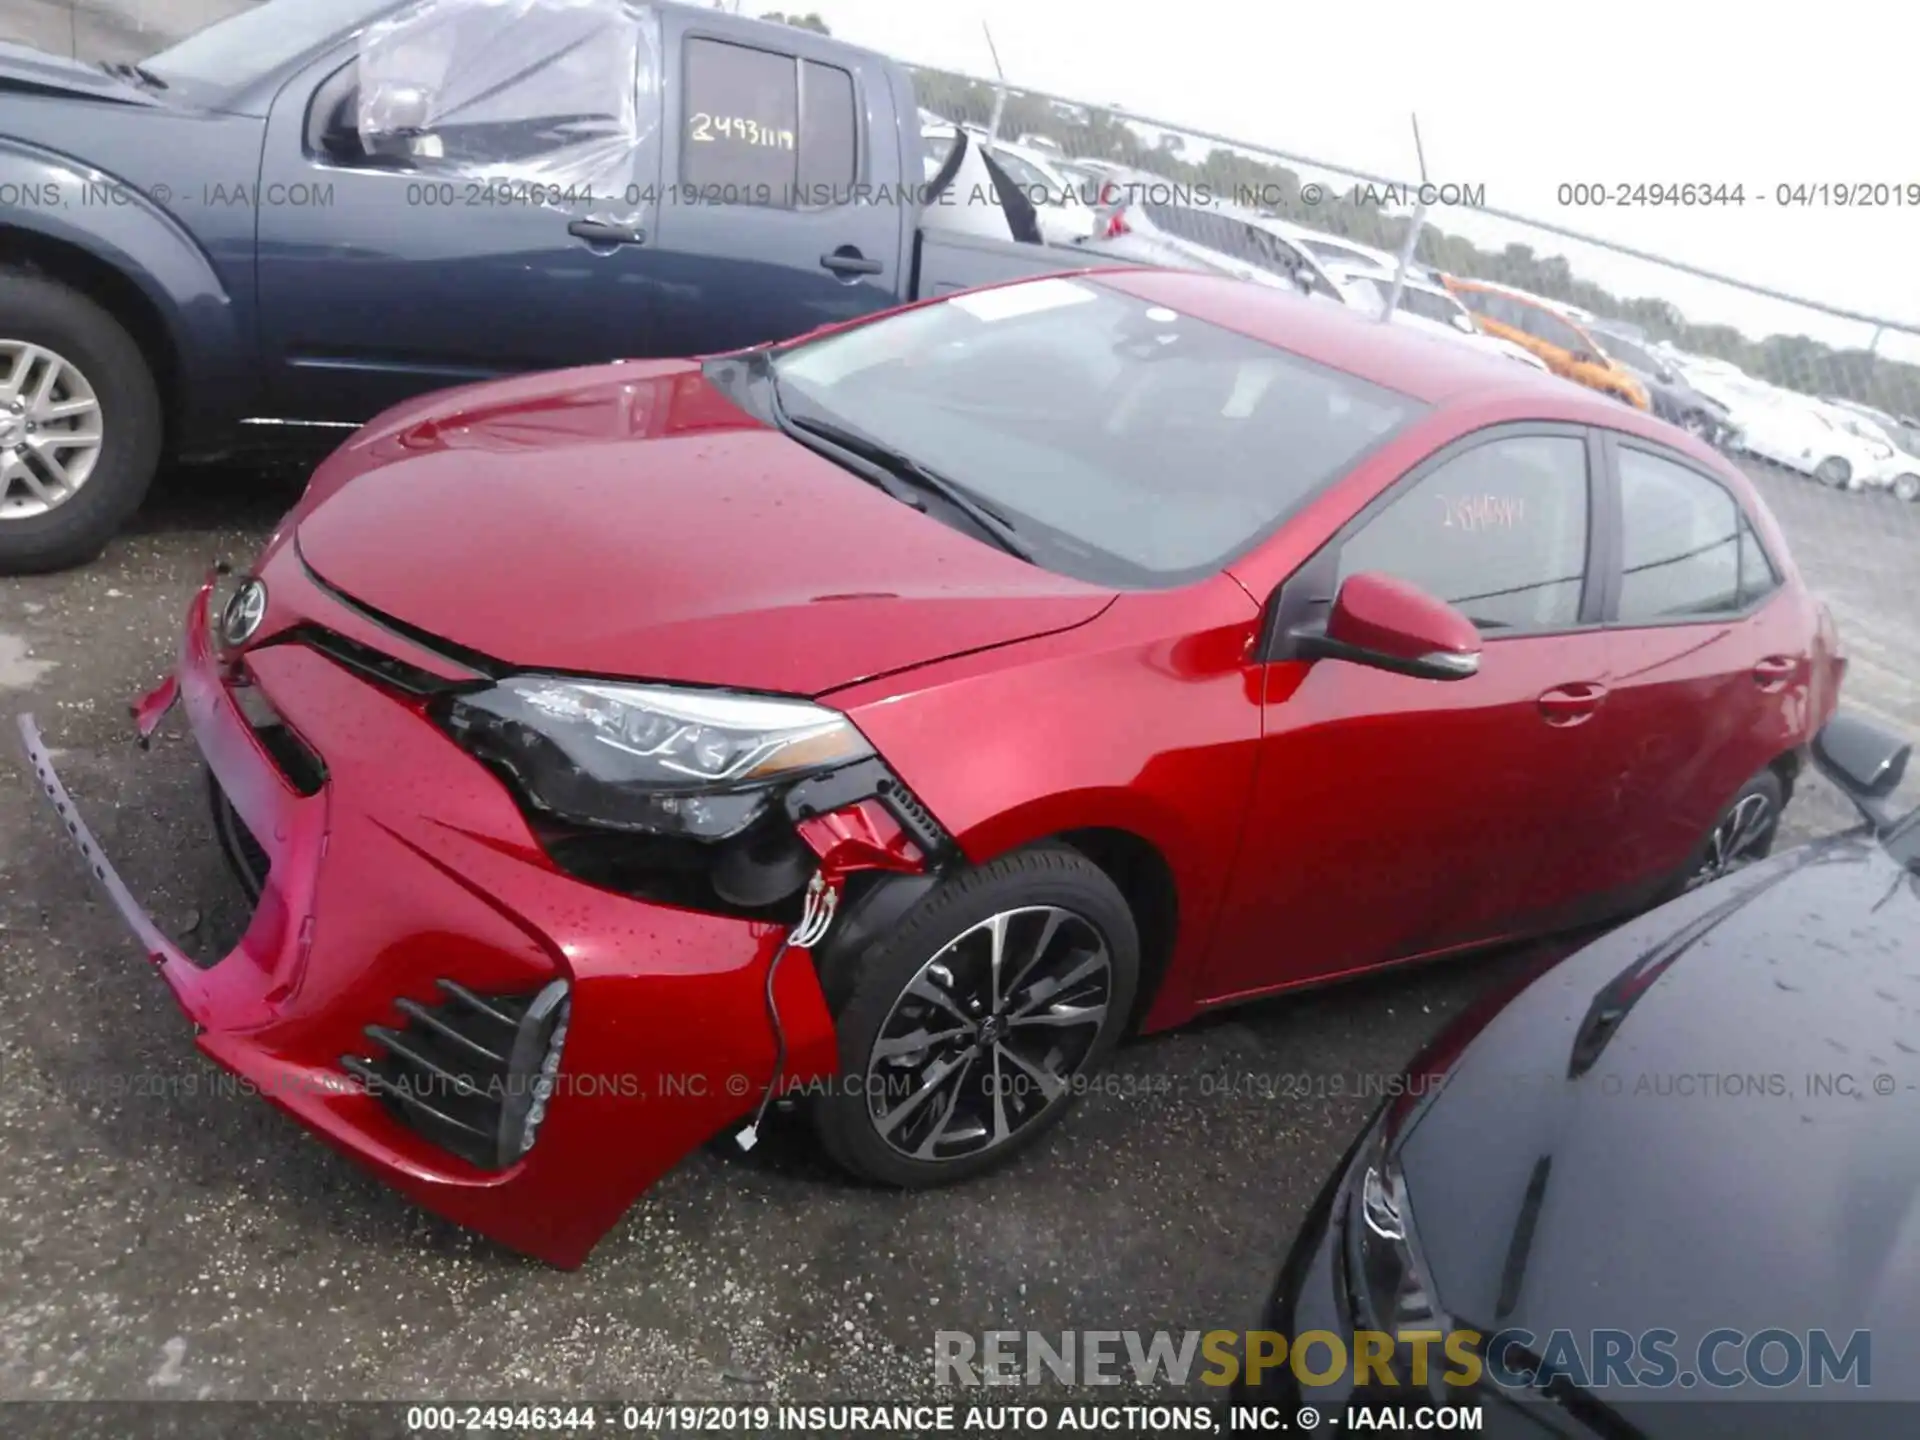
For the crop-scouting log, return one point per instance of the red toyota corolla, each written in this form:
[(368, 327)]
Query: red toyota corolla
[(892, 718)]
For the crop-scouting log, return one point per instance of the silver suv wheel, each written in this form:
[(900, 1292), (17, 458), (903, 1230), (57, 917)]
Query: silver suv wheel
[(50, 429)]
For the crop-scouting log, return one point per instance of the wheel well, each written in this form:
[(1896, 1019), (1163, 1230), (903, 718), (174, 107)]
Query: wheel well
[(1787, 767), (1145, 879), (111, 291)]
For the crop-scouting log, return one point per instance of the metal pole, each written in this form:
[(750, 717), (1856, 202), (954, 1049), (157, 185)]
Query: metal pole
[(1406, 259), (1000, 92), (1413, 234)]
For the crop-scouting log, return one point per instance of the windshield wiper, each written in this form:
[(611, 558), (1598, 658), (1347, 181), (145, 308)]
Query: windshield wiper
[(1599, 1418), (901, 467), (128, 70)]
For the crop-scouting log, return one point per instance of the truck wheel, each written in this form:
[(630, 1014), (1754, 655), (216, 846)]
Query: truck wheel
[(79, 425)]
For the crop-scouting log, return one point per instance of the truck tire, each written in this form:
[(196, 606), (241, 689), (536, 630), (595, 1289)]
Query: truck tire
[(80, 425)]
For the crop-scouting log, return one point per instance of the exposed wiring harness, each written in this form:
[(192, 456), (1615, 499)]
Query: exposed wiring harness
[(816, 914)]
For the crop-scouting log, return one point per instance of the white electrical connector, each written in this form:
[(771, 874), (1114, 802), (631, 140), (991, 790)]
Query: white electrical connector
[(816, 914)]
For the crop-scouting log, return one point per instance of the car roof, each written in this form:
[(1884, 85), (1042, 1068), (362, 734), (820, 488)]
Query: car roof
[(1347, 270), (1427, 367)]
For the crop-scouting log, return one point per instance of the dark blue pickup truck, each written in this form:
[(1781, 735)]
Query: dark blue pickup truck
[(317, 208)]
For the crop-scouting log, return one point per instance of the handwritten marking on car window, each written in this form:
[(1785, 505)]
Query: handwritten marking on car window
[(1482, 512), (713, 128)]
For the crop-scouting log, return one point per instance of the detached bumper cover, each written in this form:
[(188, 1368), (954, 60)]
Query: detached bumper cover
[(411, 866)]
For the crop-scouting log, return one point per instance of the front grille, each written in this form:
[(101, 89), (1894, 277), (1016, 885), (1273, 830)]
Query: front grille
[(472, 1073), (375, 665)]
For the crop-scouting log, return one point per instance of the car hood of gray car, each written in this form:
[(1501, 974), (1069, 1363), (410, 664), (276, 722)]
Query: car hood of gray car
[(1706, 1119)]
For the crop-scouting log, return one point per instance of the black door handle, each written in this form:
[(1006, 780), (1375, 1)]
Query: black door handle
[(607, 232), (852, 264)]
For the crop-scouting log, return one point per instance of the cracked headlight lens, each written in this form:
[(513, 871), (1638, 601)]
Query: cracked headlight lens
[(652, 758)]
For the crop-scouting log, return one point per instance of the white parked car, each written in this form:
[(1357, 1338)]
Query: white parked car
[(1423, 306), (1219, 238), (1900, 432), (1799, 432), (1339, 250), (1064, 200), (1898, 471)]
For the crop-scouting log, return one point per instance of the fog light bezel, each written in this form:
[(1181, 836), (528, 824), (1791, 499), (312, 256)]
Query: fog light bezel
[(533, 1068)]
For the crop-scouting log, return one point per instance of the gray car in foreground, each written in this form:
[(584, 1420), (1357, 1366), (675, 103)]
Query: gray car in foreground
[(1678, 1167)]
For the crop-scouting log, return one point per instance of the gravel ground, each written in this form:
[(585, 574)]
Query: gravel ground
[(165, 1241)]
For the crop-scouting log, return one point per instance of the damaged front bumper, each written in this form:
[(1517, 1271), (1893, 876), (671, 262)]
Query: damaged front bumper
[(407, 911)]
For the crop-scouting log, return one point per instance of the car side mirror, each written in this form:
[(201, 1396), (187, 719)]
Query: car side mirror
[(1387, 624), (1866, 762)]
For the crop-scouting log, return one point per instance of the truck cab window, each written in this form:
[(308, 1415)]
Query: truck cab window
[(762, 128)]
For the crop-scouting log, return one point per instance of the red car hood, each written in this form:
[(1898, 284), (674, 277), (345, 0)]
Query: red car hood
[(630, 520)]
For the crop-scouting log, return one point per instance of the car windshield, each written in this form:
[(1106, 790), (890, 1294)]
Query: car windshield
[(1330, 250), (1430, 306), (1123, 442), (259, 40), (1628, 353), (1029, 176), (1366, 296), (1085, 184)]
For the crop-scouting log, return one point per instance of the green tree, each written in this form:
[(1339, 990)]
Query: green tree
[(809, 21)]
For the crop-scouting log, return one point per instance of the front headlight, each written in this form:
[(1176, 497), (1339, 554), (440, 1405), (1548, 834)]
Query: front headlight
[(650, 758), (1881, 452), (1389, 1290)]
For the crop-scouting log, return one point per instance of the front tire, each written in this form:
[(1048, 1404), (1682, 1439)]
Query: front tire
[(963, 1031), (80, 425), (1833, 471), (1907, 488)]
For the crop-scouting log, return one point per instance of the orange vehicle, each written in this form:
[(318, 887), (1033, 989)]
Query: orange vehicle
[(1568, 350)]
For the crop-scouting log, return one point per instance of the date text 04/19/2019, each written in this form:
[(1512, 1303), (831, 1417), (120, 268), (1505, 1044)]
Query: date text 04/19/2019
[(1788, 194)]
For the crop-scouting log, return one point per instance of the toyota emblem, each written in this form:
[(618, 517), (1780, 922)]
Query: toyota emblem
[(244, 612)]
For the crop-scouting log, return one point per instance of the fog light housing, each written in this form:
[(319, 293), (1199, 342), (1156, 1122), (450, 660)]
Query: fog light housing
[(534, 1070)]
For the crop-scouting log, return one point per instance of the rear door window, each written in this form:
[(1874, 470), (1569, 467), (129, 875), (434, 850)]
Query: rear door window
[(1681, 543), (760, 127)]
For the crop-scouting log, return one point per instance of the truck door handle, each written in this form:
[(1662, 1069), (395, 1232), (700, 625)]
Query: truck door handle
[(1775, 671), (607, 232), (850, 262), (1571, 704)]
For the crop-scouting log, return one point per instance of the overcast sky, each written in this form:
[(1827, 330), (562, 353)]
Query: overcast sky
[(1520, 98)]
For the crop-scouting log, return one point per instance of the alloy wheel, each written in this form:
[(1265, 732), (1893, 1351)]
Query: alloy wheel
[(1833, 471), (1741, 837), (1907, 488), (989, 1034), (50, 429)]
